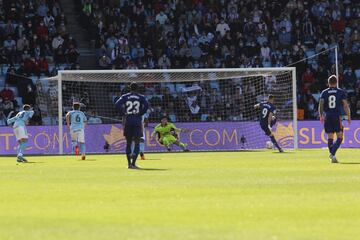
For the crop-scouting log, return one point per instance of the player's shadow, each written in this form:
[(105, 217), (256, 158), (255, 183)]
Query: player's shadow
[(244, 150), (152, 169), (283, 152), (28, 163), (350, 163)]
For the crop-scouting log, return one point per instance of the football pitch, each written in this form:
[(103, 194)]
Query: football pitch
[(244, 195)]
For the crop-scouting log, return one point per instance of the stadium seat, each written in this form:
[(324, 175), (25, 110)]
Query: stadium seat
[(63, 66), (4, 69), (149, 97), (15, 90), (179, 87), (316, 95), (171, 86), (310, 53), (357, 73), (46, 121), (2, 82), (214, 84), (149, 91), (34, 79), (172, 117), (19, 101), (204, 117), (114, 97)]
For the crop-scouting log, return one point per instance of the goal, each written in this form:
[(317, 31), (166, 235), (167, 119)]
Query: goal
[(215, 105)]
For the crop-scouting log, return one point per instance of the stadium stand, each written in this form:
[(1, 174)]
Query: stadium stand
[(145, 34), (34, 42), (232, 33)]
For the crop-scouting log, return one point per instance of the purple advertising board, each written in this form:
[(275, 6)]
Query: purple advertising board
[(201, 137)]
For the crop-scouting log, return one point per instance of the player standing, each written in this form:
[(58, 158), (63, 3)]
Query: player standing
[(132, 107), (330, 103), (267, 119), (76, 121), (19, 125), (167, 134)]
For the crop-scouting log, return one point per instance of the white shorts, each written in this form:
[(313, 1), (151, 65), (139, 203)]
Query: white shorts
[(78, 135), (20, 133)]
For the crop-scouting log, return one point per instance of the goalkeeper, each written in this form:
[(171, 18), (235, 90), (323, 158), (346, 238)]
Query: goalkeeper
[(167, 134)]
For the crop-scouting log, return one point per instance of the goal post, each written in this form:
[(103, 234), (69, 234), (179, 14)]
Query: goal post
[(215, 104), (295, 108), (60, 113)]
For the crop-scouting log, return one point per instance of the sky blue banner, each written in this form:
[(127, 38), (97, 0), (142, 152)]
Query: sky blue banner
[(202, 137)]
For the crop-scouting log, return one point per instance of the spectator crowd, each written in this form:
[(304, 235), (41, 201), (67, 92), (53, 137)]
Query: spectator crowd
[(33, 37), (144, 34), (163, 34)]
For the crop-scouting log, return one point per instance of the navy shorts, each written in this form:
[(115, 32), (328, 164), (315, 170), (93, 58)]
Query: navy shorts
[(133, 131), (266, 129), (273, 122), (333, 124)]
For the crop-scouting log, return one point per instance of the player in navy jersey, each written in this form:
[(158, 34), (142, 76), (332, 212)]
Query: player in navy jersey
[(331, 102), (267, 119), (132, 107)]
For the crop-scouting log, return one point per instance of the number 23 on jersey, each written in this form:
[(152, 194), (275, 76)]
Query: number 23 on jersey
[(132, 107)]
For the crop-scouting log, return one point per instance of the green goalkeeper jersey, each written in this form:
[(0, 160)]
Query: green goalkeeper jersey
[(166, 130)]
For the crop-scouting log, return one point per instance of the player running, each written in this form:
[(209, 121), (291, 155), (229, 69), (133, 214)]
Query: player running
[(330, 103), (19, 125), (76, 121), (167, 134), (132, 107), (267, 119)]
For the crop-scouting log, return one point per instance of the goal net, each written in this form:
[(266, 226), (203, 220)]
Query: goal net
[(215, 105)]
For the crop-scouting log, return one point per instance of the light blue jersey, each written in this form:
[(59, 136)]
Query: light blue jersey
[(77, 120), (21, 118), (146, 115)]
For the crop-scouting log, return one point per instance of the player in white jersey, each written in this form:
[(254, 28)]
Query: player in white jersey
[(19, 125), (76, 121)]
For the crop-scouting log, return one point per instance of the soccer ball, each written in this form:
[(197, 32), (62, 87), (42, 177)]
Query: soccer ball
[(269, 145)]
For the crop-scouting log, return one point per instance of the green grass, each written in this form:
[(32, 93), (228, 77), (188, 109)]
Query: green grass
[(249, 195)]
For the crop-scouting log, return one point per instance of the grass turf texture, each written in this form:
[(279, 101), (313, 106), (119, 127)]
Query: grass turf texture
[(248, 195)]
